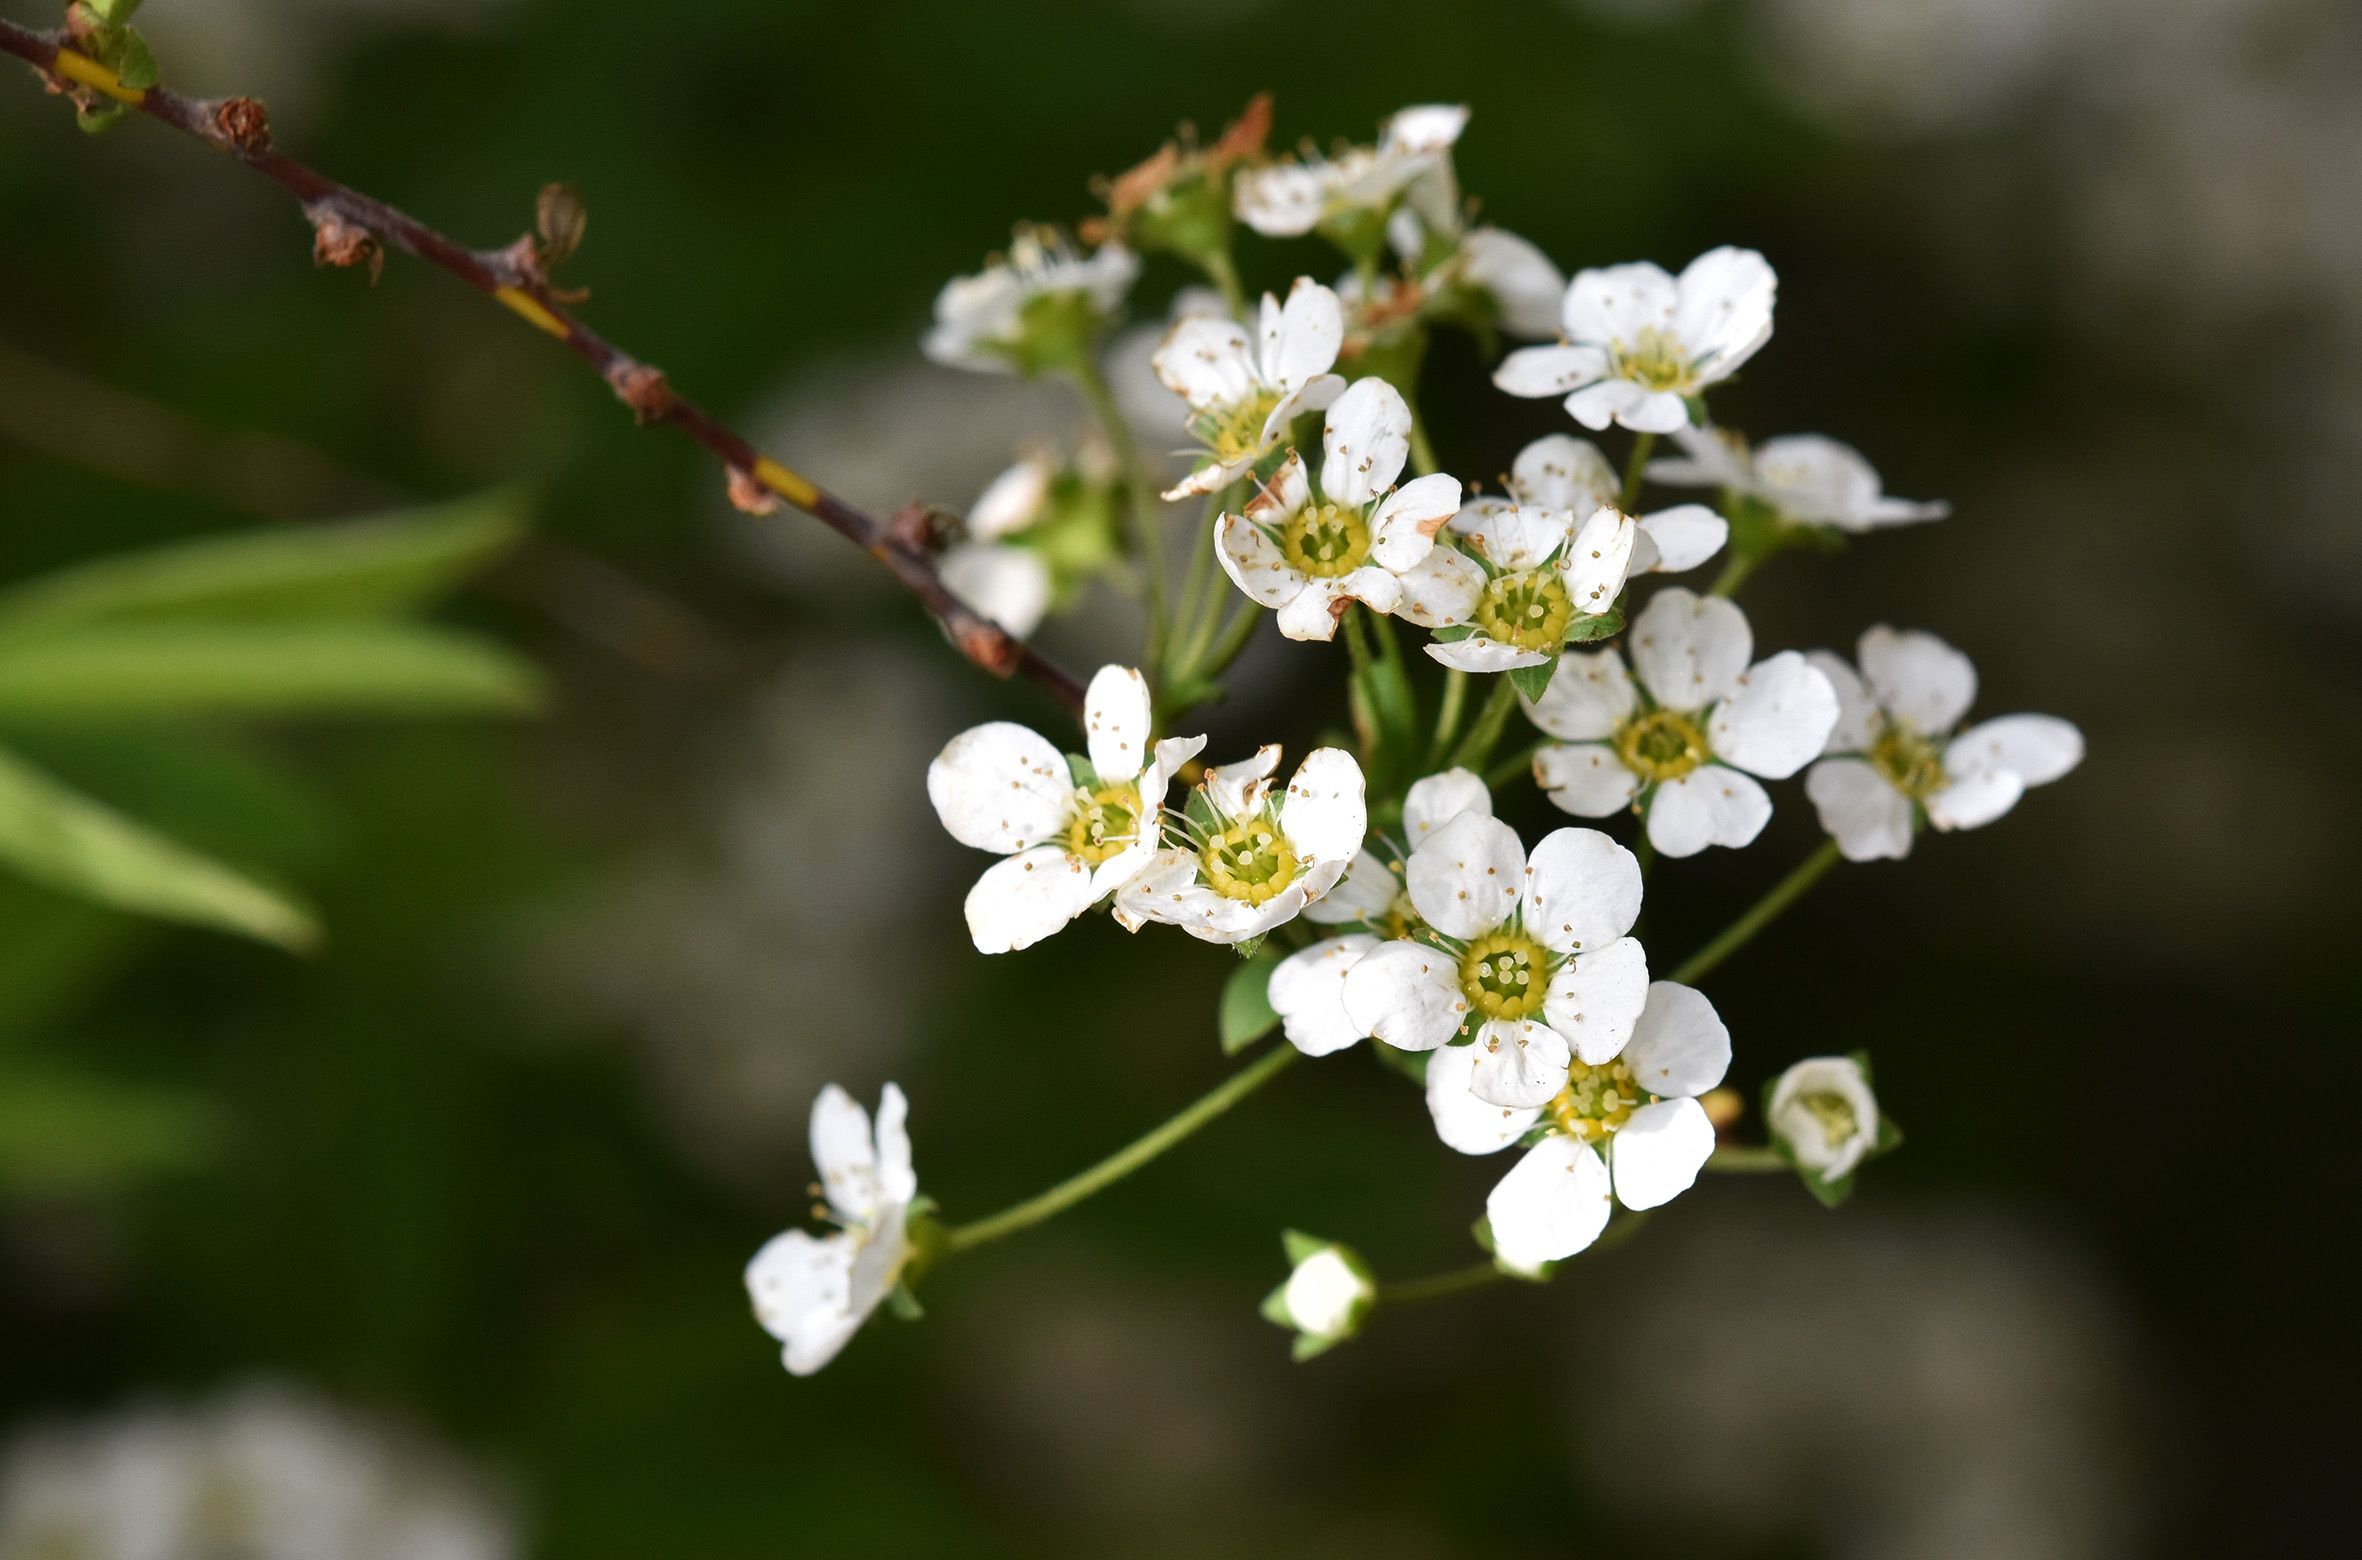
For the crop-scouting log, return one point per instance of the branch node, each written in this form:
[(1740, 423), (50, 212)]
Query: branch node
[(985, 643), (913, 528), (244, 124), (749, 496), (642, 387), (339, 241)]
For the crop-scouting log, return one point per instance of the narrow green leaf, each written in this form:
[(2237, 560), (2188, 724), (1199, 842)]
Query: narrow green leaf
[(1246, 1013), (148, 669), (72, 843), (373, 567)]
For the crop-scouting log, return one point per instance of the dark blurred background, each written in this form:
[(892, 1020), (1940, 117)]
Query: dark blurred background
[(486, 1168)]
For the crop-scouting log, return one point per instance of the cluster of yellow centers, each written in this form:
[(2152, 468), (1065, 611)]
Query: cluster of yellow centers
[(1505, 976), (1653, 359), (1661, 745), (1596, 1101), (1911, 761), (1235, 431), (1106, 823), (1250, 861), (1835, 1113), (1529, 609), (1325, 540)]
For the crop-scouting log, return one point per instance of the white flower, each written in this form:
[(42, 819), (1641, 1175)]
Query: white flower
[(1529, 572), (1894, 759), (1003, 788), (1527, 962), (1524, 284), (1313, 556), (1560, 471), (1679, 738), (813, 1292), (1010, 585), (1359, 185), (1810, 479), (1260, 857), (1328, 1292), (1307, 990), (1037, 309), (1244, 392), (1823, 1110), (1638, 344), (1627, 1127)]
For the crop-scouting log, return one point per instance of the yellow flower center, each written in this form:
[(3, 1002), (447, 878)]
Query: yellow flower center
[(1653, 359), (1596, 1101), (1504, 976), (1835, 1113), (1235, 431), (1106, 823), (1529, 609), (1661, 745), (1910, 760), (1250, 861), (1325, 540)]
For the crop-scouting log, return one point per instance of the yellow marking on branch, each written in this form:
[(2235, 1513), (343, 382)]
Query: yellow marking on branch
[(530, 310), (89, 72), (785, 483)]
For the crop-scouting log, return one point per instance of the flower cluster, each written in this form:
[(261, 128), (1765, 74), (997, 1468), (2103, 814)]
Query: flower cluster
[(1386, 891)]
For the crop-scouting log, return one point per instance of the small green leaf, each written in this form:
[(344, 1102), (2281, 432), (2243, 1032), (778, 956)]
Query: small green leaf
[(904, 1306), (1301, 1247), (70, 842), (1829, 1194), (1593, 627), (1274, 1309), (1246, 1012), (135, 62), (1308, 1347), (1081, 772), (1530, 681)]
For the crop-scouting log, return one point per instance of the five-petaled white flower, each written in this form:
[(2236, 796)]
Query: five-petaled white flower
[(1244, 392), (1009, 584), (1527, 963), (1356, 188), (1639, 344), (1528, 573), (1004, 788), (1259, 857), (1809, 479), (1313, 555), (812, 1292), (1679, 737), (1638, 1108), (1328, 1292), (1037, 309), (1307, 990), (1893, 759), (1823, 1111)]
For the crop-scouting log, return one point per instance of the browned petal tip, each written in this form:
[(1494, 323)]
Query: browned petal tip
[(244, 123), (1247, 133), (642, 387), (749, 496)]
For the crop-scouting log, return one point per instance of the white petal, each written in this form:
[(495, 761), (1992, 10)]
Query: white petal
[(1616, 303), (1423, 128), (1917, 678), (1778, 720), (1711, 457), (1010, 585), (1115, 723), (1013, 501), (1725, 313), (1975, 800), (1533, 372), (898, 1182), (1680, 1046), (1519, 1063), (845, 1155), (1323, 811), (2036, 748), (1000, 787), (1589, 696), (1311, 328), (1324, 1294), (1681, 538), (1582, 889), (1311, 613), (1688, 650), (1158, 891), (1026, 898), (1373, 587), (1466, 876), (1477, 653), (1598, 559), (1658, 1153), (1715, 805), (1365, 893), (1595, 999), (1406, 994), (1552, 1204), (1437, 799), (1280, 201), (1254, 563), (1857, 713), (1560, 471), (1367, 440), (1868, 818), (1308, 993), (1208, 362), (1523, 281), (1614, 401), (1585, 778), (1404, 525), (1238, 789), (1513, 537), (801, 1286), (1164, 764), (1287, 491), (1441, 589), (1463, 1121), (1806, 1133)]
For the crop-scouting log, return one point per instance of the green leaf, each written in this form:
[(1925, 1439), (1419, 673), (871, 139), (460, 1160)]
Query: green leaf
[(375, 567), (1246, 1013), (1595, 626), (148, 669), (1829, 1194), (903, 1305), (1531, 680), (66, 1132), (72, 843), (135, 62)]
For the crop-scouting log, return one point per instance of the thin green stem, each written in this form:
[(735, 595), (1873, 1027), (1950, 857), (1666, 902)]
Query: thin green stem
[(1224, 272), (1124, 1160), (1635, 471), (1734, 573), (1448, 714), (1422, 452), (1748, 1161), (1147, 509), (1201, 604), (1435, 1286), (1518, 763), (1759, 915), (1357, 641), (1203, 684), (1476, 750)]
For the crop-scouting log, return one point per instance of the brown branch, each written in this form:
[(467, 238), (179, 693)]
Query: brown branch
[(352, 228)]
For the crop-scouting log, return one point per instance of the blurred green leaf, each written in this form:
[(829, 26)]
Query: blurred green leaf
[(373, 567), (264, 668), (1246, 1014), (70, 1132), (70, 842)]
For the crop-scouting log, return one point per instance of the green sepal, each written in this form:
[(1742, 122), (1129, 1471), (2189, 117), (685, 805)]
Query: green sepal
[(1890, 1137), (1533, 1136), (1246, 1015), (1861, 1059), (1081, 771), (1531, 681), (135, 62), (92, 118), (1248, 947), (1274, 1309), (904, 1306), (1199, 809), (1300, 1247), (1482, 1229), (1829, 1194), (1306, 1346), (1451, 633), (1591, 627)]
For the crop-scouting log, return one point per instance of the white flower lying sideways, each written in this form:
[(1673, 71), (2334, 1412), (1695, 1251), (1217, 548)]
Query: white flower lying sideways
[(1639, 345), (1809, 479), (1560, 471), (1350, 196), (810, 1292), (1312, 555), (1037, 309), (1822, 1113), (1008, 584), (1675, 741), (1258, 857), (1072, 835), (1894, 760), (1328, 1291), (1637, 1106), (1243, 391)]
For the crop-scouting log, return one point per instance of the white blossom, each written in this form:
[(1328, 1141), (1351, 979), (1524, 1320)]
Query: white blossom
[(1004, 788), (1681, 734), (813, 1292), (1243, 391), (1893, 759), (1035, 309), (1823, 1111), (1809, 479), (1007, 583), (1560, 471), (1258, 856), (1637, 345), (1312, 555), (1360, 184), (1527, 574), (1328, 1292)]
